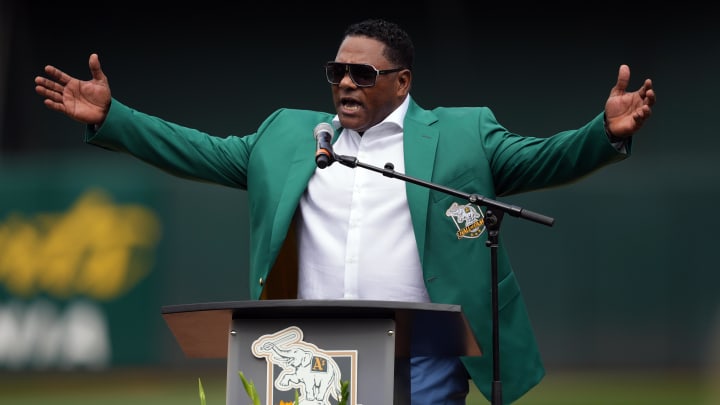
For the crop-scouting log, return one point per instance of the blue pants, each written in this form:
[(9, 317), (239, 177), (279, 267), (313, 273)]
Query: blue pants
[(438, 381)]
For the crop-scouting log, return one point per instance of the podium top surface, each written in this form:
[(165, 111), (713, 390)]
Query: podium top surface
[(202, 329), (313, 308)]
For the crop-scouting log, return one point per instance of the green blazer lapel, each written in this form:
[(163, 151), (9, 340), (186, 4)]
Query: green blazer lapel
[(419, 145), (300, 170)]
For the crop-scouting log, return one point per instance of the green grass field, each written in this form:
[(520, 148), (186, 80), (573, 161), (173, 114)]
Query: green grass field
[(180, 387)]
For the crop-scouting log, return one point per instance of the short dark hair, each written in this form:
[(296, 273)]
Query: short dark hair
[(399, 48)]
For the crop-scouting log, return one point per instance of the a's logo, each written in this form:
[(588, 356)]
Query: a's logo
[(469, 220), (304, 367)]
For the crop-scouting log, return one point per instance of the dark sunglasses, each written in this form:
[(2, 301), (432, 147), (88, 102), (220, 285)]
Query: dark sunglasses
[(363, 75)]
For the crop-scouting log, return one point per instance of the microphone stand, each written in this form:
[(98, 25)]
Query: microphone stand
[(495, 211)]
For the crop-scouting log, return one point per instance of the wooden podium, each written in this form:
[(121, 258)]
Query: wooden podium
[(312, 346)]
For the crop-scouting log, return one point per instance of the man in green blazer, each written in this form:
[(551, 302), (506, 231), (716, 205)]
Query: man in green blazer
[(336, 232)]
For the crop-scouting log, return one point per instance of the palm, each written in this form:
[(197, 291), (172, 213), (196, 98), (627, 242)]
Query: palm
[(625, 112), (620, 111), (85, 101)]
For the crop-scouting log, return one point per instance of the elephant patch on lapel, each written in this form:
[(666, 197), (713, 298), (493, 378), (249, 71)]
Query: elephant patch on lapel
[(468, 219)]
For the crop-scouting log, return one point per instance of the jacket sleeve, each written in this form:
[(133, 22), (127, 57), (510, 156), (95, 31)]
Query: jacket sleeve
[(178, 150)]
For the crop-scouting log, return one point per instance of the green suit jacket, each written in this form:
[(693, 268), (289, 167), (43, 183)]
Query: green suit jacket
[(465, 149)]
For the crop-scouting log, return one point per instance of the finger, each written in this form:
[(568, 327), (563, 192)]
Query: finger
[(647, 85), (650, 98), (641, 115), (622, 80), (57, 74), (43, 91), (54, 105), (49, 94), (95, 68), (48, 84), (647, 112)]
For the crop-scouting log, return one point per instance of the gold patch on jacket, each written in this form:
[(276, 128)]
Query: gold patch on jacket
[(468, 219)]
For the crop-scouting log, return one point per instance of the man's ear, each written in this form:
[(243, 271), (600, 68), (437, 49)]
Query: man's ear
[(404, 82)]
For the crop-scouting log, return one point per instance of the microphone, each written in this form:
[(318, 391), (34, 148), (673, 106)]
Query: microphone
[(324, 155)]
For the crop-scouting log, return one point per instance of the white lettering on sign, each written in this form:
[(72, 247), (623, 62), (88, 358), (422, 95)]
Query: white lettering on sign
[(40, 335)]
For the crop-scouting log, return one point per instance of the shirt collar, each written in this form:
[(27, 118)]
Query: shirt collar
[(397, 117)]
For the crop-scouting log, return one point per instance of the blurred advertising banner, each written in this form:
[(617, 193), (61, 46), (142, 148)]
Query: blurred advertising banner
[(84, 250)]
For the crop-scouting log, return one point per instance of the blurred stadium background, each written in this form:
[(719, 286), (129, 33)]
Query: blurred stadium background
[(623, 290)]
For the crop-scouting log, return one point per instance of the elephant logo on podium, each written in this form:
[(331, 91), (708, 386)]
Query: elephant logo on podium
[(304, 366)]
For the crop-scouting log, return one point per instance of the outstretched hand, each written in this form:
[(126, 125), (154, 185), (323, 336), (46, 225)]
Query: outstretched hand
[(625, 113), (86, 101)]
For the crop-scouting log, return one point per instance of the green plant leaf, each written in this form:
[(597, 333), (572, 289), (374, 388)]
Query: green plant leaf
[(250, 389), (202, 392), (344, 392)]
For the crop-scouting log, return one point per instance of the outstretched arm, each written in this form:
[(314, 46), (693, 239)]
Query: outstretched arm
[(86, 101), (625, 113)]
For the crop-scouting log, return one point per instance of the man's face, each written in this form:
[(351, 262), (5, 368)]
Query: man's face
[(359, 108)]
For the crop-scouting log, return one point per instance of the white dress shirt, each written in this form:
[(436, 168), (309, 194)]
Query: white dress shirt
[(356, 239)]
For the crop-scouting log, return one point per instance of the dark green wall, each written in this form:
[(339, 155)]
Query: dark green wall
[(626, 277)]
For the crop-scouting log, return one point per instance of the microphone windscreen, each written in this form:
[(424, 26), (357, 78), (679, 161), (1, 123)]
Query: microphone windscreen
[(323, 127)]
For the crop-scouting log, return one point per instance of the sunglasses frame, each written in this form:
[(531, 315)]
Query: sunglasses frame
[(348, 71)]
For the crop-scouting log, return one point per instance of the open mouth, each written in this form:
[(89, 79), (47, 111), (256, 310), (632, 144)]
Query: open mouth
[(350, 105)]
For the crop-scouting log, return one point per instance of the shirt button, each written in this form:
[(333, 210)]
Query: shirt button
[(260, 281)]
